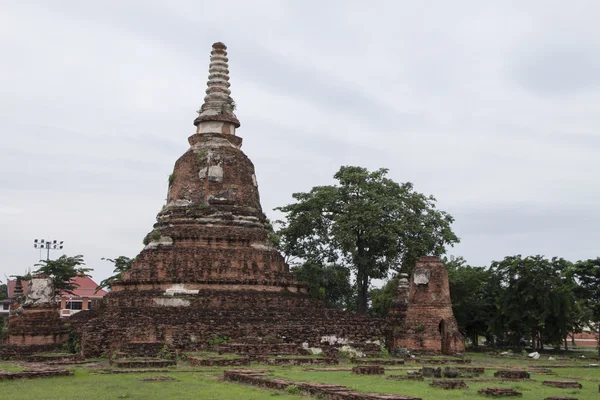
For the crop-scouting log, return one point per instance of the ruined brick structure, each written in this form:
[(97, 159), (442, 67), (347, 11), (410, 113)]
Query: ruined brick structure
[(34, 324), (421, 315), (208, 268), (209, 273)]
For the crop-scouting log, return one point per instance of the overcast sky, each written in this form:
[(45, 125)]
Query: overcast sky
[(491, 106)]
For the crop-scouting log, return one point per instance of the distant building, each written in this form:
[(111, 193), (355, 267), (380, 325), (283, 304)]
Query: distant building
[(4, 307), (81, 299)]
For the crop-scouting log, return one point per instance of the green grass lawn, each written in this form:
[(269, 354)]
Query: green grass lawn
[(206, 383), (197, 386), (10, 367)]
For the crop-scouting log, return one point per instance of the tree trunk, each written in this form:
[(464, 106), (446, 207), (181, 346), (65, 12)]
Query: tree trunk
[(362, 278), (566, 343), (362, 282), (475, 340)]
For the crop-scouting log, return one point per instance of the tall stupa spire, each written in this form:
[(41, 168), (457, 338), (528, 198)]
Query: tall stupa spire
[(216, 114)]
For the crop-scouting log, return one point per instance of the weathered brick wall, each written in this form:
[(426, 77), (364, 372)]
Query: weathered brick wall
[(36, 326), (35, 330), (212, 227), (426, 324), (243, 316)]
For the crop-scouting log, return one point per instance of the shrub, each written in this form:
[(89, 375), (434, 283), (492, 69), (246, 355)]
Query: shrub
[(292, 389), (216, 340), (155, 235)]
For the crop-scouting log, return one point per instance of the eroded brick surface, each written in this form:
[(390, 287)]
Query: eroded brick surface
[(422, 312), (500, 392), (368, 370), (320, 390), (511, 374), (563, 384)]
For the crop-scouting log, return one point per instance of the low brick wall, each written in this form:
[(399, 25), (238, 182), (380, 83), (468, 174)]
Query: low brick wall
[(53, 358), (512, 374), (132, 363), (218, 362), (438, 361), (18, 352), (368, 370), (301, 361), (563, 384), (321, 390), (378, 361), (47, 373), (500, 392)]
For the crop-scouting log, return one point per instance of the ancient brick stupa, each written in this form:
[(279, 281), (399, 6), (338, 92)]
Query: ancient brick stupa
[(422, 311), (212, 231), (34, 324), (208, 269)]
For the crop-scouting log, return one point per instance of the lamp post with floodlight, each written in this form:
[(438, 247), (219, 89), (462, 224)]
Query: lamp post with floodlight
[(48, 245)]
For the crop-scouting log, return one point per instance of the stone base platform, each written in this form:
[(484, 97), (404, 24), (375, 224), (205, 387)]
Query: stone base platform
[(368, 370), (45, 373), (378, 361), (256, 323), (511, 374), (301, 361), (433, 361), (218, 362), (319, 390), (143, 363), (563, 384), (500, 392)]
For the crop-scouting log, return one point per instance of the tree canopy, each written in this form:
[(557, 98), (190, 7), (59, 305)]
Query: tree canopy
[(121, 264), (473, 294), (61, 271), (330, 283), (367, 223)]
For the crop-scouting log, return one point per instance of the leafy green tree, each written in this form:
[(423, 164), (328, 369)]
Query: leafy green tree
[(472, 291), (536, 299), (62, 271), (587, 274), (382, 298), (121, 264), (330, 283), (367, 223), (3, 291)]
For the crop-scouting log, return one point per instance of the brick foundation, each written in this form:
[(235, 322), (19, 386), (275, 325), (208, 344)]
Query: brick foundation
[(511, 374), (368, 370), (320, 390), (500, 392), (563, 384)]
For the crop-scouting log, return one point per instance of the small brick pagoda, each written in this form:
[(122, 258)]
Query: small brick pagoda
[(422, 314), (34, 324), (208, 269)]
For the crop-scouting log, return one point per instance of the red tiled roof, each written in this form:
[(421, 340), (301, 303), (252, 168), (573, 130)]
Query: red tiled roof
[(86, 288)]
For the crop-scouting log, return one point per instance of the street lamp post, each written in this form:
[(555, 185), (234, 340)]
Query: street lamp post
[(48, 245)]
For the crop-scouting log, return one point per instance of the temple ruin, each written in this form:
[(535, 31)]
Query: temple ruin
[(209, 273), (208, 269), (421, 315), (34, 324)]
